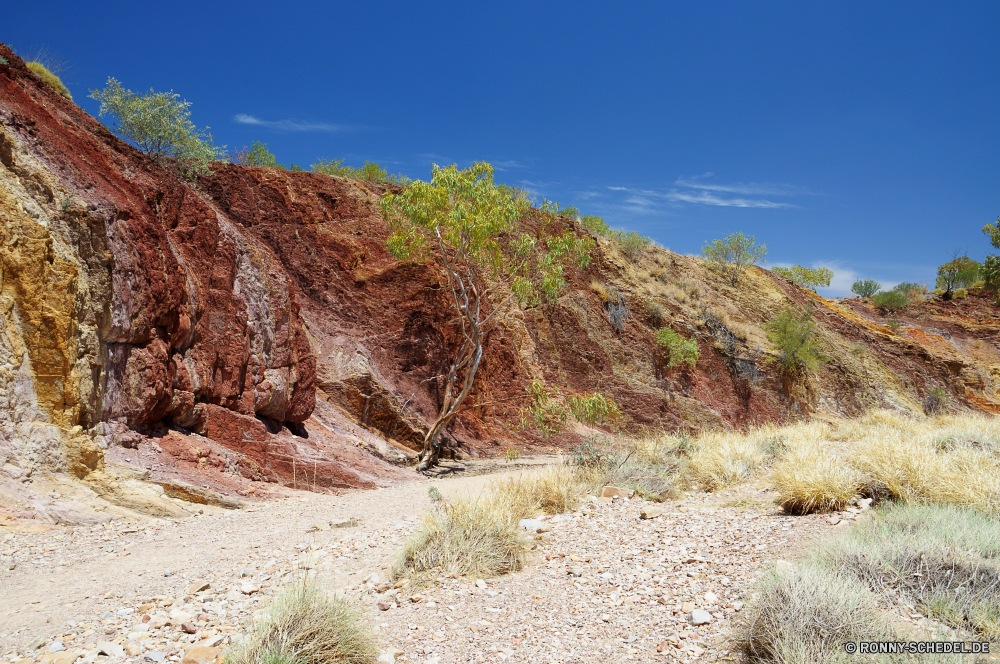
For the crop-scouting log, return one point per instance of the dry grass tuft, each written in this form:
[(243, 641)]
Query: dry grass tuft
[(304, 624), (943, 557), (811, 480), (649, 467), (804, 616)]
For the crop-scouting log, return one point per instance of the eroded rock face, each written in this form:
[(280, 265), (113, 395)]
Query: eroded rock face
[(125, 295)]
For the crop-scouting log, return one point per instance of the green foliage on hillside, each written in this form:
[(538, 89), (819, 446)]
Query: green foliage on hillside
[(806, 277), (734, 255), (49, 78), (679, 350), (257, 155), (595, 225), (890, 301), (370, 172), (159, 124), (959, 272), (865, 287), (794, 337)]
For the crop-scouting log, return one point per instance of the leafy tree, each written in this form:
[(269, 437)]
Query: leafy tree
[(959, 272), (569, 211), (159, 124), (865, 287), (257, 155), (680, 350), (806, 277), (469, 226), (991, 276), (993, 231), (794, 337), (734, 255), (631, 243)]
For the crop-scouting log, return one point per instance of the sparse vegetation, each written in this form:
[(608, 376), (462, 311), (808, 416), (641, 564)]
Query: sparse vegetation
[(257, 155), (794, 337), (679, 350), (734, 255), (3, 60), (655, 311), (370, 172), (959, 272), (304, 624), (631, 243), (891, 301), (159, 124), (595, 225), (806, 277), (49, 78), (865, 287)]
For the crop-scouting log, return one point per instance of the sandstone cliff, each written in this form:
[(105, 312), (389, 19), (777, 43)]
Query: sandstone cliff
[(252, 327)]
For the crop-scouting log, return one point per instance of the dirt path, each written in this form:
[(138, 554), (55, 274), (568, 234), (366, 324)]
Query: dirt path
[(604, 584)]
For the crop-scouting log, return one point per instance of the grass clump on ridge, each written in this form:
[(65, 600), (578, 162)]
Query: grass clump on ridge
[(648, 467), (50, 79), (304, 625), (370, 172)]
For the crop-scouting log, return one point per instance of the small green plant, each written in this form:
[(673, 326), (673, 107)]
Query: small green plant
[(370, 172), (794, 337), (295, 168), (890, 301), (67, 203), (49, 78), (511, 453), (595, 225), (257, 155), (3, 60), (631, 243), (936, 401), (991, 277), (569, 211), (593, 408), (550, 408), (894, 325), (679, 350), (734, 255), (159, 124), (434, 494), (865, 287), (806, 277), (909, 289)]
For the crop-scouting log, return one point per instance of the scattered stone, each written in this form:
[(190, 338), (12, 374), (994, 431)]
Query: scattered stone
[(616, 492), (575, 571), (531, 525), (834, 519), (650, 512), (198, 586), (190, 628), (110, 649), (699, 617), (345, 523), (384, 605), (155, 656), (55, 647), (64, 657), (737, 606), (200, 655), (687, 607), (480, 583), (711, 598), (133, 649), (249, 588)]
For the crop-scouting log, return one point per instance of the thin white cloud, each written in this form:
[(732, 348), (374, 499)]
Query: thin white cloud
[(750, 189), (706, 198), (505, 165), (289, 124)]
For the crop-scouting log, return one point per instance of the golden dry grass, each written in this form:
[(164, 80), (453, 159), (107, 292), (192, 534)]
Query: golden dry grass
[(950, 459)]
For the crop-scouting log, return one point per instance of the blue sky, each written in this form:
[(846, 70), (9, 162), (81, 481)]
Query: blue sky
[(856, 135)]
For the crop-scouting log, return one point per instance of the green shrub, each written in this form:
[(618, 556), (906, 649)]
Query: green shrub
[(865, 287), (257, 155), (911, 290), (370, 172), (50, 79), (960, 294), (794, 337), (680, 350), (304, 624), (3, 60), (936, 401), (595, 225), (890, 301), (569, 211), (159, 124), (656, 312), (734, 255), (991, 275), (593, 408), (631, 243), (806, 277)]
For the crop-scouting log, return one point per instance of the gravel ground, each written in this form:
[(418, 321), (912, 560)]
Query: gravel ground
[(602, 585)]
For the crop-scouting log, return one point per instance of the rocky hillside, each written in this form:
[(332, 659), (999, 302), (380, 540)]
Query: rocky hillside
[(161, 338)]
